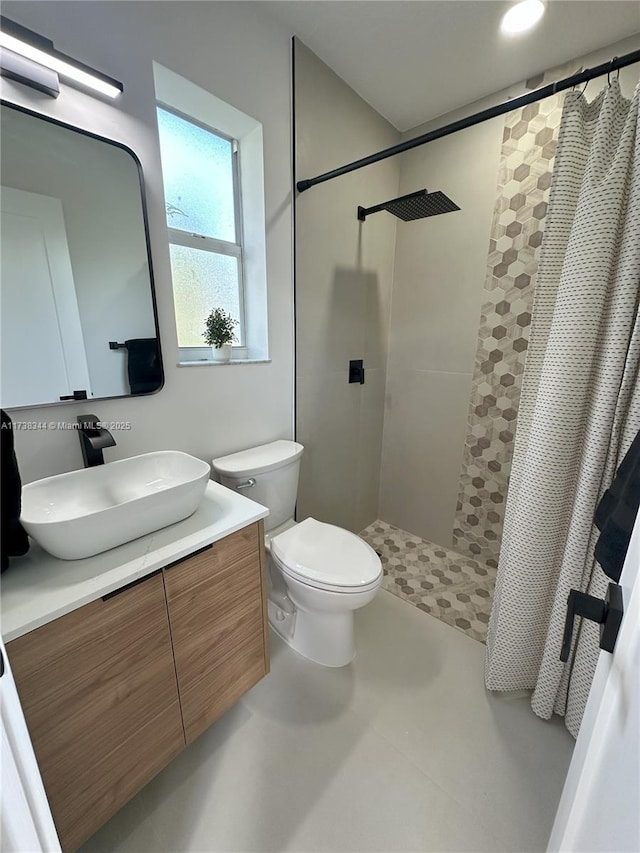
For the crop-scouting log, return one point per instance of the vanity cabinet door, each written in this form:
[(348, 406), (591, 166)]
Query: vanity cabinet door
[(217, 610), (98, 689)]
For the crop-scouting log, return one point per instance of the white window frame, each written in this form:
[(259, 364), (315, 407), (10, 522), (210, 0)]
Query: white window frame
[(197, 105), (205, 243)]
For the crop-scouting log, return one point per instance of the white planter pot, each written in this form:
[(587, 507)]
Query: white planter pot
[(222, 353)]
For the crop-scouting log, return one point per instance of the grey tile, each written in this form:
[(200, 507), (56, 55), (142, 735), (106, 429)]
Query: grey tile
[(423, 445), (492, 754), (328, 427), (402, 750), (452, 587), (369, 448), (524, 180), (129, 831)]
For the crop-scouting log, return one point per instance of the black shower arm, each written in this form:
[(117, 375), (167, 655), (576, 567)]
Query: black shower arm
[(515, 104)]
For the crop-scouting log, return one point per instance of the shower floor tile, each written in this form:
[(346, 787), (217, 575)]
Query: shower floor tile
[(454, 588)]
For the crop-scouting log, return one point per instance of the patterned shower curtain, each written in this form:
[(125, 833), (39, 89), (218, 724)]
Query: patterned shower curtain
[(580, 405)]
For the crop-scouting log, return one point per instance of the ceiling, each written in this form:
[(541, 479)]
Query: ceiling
[(413, 60)]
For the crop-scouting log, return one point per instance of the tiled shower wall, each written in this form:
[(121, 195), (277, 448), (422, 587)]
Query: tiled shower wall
[(344, 271), (439, 273), (524, 179)]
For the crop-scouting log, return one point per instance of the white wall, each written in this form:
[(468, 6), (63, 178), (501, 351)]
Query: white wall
[(344, 272), (243, 56), (438, 280)]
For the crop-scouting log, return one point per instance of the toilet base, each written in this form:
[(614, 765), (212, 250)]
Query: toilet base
[(325, 638)]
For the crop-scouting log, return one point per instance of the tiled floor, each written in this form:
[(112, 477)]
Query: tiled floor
[(450, 586), (403, 750)]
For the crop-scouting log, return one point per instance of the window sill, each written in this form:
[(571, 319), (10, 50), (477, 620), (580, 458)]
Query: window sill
[(209, 363)]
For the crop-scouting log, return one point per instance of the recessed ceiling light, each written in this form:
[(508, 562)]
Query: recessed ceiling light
[(522, 16)]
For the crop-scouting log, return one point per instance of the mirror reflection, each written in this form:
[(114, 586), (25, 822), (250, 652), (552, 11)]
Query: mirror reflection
[(77, 316)]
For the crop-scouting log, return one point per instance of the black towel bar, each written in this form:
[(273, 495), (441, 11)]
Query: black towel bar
[(116, 345)]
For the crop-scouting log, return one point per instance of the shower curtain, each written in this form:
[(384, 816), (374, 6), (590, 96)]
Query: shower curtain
[(579, 409)]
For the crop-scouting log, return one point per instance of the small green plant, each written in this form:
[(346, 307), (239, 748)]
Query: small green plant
[(219, 328)]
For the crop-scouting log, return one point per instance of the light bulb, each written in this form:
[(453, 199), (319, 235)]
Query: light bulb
[(522, 16), (58, 64)]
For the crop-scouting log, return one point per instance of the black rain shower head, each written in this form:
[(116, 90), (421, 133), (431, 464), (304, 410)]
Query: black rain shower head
[(413, 206)]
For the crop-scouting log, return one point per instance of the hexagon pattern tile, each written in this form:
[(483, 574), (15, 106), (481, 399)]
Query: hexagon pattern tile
[(454, 588), (524, 179)]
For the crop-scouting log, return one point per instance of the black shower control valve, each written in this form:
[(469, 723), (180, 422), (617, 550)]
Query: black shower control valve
[(356, 371), (606, 612)]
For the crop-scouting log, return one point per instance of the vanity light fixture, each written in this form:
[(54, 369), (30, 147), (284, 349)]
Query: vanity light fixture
[(522, 16), (30, 58)]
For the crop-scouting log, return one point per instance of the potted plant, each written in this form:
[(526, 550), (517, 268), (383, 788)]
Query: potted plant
[(219, 333)]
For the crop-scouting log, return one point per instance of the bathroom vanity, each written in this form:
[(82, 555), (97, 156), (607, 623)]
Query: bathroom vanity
[(123, 659)]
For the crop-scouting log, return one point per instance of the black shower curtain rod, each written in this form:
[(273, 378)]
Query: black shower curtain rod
[(506, 107)]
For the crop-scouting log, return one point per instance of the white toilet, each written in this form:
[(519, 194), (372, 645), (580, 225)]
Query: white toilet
[(319, 573)]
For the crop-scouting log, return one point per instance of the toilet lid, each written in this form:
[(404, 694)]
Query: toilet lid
[(323, 554)]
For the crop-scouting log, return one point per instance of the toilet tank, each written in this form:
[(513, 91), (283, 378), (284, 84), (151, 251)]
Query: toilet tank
[(274, 467)]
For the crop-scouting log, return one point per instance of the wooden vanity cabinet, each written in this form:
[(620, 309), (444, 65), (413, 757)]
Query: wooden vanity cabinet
[(113, 691), (98, 690), (216, 601)]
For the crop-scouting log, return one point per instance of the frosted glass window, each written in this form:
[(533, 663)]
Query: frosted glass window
[(198, 173), (202, 281)]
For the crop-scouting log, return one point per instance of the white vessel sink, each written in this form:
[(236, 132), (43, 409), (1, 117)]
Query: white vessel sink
[(86, 512)]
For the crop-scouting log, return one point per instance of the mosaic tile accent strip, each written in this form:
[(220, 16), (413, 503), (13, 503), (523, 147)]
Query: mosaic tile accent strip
[(452, 587), (524, 179)]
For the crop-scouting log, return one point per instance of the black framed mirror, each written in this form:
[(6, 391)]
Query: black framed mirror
[(78, 310)]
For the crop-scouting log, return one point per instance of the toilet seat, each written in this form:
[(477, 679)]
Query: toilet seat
[(327, 557)]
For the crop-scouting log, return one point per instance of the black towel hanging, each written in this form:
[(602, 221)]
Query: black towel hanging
[(143, 365), (15, 541), (616, 513)]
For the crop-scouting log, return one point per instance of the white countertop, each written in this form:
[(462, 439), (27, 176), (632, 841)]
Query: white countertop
[(38, 588)]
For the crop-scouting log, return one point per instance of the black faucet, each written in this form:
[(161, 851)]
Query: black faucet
[(92, 439)]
